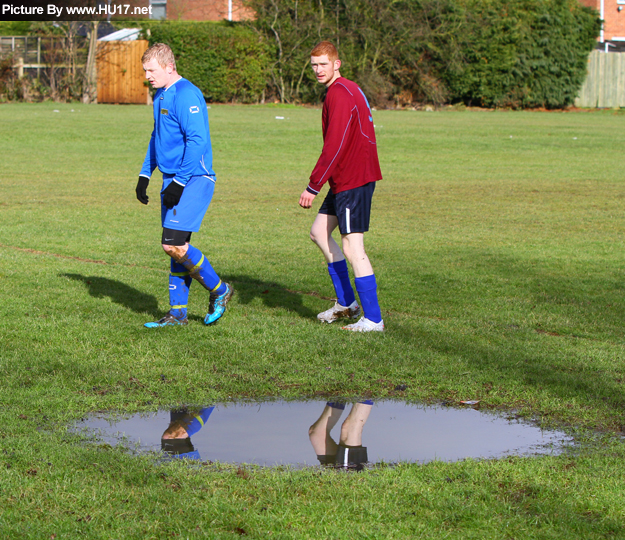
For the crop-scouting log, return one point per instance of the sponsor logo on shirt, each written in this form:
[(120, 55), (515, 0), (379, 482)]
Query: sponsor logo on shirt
[(194, 109)]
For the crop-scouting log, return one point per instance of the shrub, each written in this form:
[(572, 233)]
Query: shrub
[(226, 61), (522, 53), (493, 53)]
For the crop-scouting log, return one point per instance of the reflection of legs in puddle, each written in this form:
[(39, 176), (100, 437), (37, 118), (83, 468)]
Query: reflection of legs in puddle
[(351, 430), (176, 440), (349, 451), (319, 432)]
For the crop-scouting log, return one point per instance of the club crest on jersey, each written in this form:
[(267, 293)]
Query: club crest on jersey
[(194, 109), (164, 111)]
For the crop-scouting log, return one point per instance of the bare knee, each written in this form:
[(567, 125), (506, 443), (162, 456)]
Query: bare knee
[(175, 252), (318, 235), (314, 237), (354, 248), (353, 252), (346, 433)]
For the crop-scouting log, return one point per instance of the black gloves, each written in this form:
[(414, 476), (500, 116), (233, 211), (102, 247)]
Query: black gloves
[(172, 194), (142, 186)]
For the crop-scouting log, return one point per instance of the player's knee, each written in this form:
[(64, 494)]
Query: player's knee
[(353, 249), (349, 252), (313, 237), (346, 429), (318, 236), (175, 252)]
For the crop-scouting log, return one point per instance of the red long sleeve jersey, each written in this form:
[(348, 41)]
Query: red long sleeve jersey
[(349, 158)]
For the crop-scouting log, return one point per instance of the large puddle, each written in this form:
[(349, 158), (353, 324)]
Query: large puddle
[(314, 432)]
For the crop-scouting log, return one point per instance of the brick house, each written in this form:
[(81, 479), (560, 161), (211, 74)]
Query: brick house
[(612, 12), (200, 10)]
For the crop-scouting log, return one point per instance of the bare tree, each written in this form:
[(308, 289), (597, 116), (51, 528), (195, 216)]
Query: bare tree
[(90, 89)]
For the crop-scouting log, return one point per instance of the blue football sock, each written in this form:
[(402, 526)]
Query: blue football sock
[(200, 269), (336, 405), (179, 283), (340, 279), (195, 455), (198, 420), (368, 294)]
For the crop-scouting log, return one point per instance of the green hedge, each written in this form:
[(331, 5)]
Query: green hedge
[(522, 53), (227, 62), (493, 53), (14, 28)]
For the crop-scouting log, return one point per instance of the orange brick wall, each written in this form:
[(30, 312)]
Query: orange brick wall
[(206, 10), (614, 20), (614, 25)]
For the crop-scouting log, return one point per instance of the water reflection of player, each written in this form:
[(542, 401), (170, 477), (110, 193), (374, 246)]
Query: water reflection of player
[(176, 440), (349, 453)]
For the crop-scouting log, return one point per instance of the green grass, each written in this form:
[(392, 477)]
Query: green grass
[(497, 241)]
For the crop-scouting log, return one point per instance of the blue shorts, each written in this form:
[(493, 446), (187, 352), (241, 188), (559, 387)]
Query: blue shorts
[(352, 208), (188, 214)]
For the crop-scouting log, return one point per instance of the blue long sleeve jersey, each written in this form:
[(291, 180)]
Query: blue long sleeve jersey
[(180, 145)]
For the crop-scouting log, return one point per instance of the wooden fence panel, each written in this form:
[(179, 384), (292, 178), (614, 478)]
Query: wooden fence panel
[(120, 73), (604, 86)]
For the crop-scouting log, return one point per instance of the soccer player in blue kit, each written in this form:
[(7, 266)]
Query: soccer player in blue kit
[(180, 147)]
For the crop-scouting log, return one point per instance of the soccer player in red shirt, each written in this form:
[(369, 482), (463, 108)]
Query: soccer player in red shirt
[(349, 163)]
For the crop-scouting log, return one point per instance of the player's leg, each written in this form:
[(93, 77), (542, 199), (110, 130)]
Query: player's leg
[(188, 214), (176, 440), (321, 234), (179, 280), (319, 432), (351, 430), (186, 424), (200, 269), (354, 249), (351, 453), (353, 211), (366, 286)]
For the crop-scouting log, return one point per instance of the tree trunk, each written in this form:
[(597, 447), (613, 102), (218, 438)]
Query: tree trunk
[(90, 87)]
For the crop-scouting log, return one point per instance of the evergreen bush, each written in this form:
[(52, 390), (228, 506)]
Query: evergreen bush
[(522, 53), (227, 62), (492, 53)]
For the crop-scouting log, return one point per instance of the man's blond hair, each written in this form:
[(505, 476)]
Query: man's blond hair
[(162, 53)]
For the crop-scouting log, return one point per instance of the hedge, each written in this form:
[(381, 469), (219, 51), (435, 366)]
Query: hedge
[(522, 53), (492, 53), (227, 62)]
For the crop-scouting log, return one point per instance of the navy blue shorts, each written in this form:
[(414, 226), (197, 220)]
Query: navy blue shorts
[(352, 208)]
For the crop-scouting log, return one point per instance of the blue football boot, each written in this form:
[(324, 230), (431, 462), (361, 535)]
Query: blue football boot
[(217, 305), (167, 320)]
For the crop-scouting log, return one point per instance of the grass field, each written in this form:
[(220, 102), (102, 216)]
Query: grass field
[(497, 241)]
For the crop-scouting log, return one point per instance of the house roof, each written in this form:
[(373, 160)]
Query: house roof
[(125, 34)]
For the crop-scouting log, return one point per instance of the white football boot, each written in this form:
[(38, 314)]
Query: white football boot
[(337, 311), (365, 325)]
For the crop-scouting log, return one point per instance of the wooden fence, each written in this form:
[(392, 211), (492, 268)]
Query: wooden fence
[(120, 73), (605, 83)]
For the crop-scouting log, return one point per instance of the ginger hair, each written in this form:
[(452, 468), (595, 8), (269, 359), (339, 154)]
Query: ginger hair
[(325, 47)]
